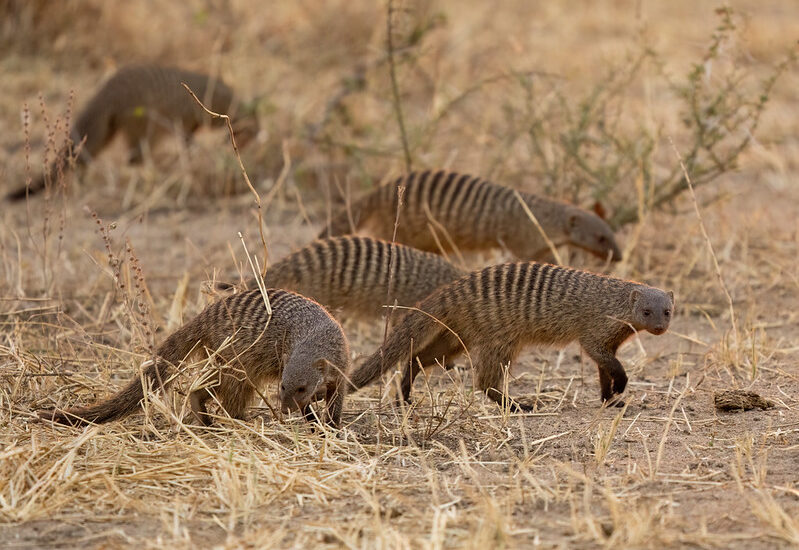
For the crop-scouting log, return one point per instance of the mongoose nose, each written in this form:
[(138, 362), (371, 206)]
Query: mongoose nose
[(617, 256)]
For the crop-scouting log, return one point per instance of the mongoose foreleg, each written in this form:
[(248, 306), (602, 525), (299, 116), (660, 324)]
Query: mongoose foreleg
[(612, 378)]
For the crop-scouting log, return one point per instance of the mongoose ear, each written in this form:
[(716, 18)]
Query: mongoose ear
[(634, 295), (671, 296), (322, 365), (600, 211)]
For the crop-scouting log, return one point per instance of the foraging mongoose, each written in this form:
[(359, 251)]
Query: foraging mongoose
[(144, 102), (301, 344), (444, 210), (497, 311), (352, 273)]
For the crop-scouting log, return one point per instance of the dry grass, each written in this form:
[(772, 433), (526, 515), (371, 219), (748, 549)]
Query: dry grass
[(86, 292)]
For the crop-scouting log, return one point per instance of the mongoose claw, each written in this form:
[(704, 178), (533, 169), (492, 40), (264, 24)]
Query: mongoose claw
[(614, 401), (515, 406)]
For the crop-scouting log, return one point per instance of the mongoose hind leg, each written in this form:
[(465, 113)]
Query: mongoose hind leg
[(136, 154), (445, 347), (136, 131), (490, 369), (235, 392), (197, 401)]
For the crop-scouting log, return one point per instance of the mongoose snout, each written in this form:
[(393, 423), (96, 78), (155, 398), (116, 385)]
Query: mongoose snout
[(295, 400), (298, 390), (588, 231)]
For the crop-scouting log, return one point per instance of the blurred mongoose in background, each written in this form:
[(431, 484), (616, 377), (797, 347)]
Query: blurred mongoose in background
[(497, 311), (445, 210), (353, 273), (145, 102), (300, 344)]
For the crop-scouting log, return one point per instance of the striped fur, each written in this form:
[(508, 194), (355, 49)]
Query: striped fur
[(444, 210), (352, 274), (143, 103), (497, 311), (300, 344)]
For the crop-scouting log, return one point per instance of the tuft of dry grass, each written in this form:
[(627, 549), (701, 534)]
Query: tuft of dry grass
[(92, 275)]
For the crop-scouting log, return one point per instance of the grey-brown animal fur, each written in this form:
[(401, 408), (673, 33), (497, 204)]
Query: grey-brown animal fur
[(352, 274), (475, 214), (497, 311), (301, 345), (144, 103)]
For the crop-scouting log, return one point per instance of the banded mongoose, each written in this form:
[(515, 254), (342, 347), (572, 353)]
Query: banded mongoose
[(144, 102), (497, 311), (353, 273), (444, 210), (300, 344)]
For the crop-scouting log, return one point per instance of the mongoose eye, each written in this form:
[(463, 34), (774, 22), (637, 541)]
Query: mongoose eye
[(667, 312), (282, 387), (647, 312), (602, 239), (301, 389)]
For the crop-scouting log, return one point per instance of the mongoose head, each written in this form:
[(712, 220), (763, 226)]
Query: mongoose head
[(245, 129), (652, 309), (245, 121), (302, 377), (307, 371), (590, 232)]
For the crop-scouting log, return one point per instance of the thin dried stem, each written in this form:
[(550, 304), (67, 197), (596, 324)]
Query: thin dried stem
[(392, 67), (261, 225), (709, 243)]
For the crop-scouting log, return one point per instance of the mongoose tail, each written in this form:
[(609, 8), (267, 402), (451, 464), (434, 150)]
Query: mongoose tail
[(354, 216), (26, 190), (125, 402), (38, 184), (128, 399), (433, 340)]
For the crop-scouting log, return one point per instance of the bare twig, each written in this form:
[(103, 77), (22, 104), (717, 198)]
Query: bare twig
[(241, 166), (550, 244), (702, 227), (395, 87), (391, 260)]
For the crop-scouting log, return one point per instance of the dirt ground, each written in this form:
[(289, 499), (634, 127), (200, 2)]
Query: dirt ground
[(90, 279)]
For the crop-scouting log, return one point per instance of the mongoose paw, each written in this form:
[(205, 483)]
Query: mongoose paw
[(515, 406), (315, 427), (403, 400), (613, 401)]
